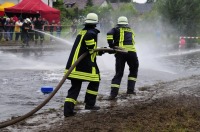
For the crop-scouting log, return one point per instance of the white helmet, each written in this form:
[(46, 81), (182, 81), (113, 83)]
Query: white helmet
[(91, 18), (122, 20), (28, 20)]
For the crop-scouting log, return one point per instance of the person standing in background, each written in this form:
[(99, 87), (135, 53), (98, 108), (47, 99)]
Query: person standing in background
[(39, 25), (51, 29), (12, 26), (58, 29), (1, 28), (17, 29), (7, 27), (46, 24), (73, 29)]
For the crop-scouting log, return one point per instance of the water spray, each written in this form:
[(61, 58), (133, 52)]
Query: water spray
[(57, 38), (18, 119)]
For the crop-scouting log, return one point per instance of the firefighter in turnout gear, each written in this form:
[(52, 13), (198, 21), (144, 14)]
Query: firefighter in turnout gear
[(123, 36), (86, 70), (26, 26)]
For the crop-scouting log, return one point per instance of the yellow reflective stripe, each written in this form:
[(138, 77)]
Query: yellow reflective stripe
[(83, 32), (129, 48), (93, 70), (83, 75), (70, 100), (127, 30), (92, 92), (121, 39), (90, 42), (94, 54), (109, 37), (115, 85), (95, 79), (121, 44), (133, 36), (91, 51), (132, 78)]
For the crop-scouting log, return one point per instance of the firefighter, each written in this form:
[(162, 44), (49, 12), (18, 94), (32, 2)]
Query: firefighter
[(123, 36), (86, 70), (39, 25), (26, 26)]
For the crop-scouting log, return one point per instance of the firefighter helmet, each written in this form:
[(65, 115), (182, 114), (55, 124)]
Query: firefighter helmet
[(91, 18), (122, 20), (28, 20)]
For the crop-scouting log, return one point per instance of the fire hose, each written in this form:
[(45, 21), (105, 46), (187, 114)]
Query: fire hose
[(18, 119)]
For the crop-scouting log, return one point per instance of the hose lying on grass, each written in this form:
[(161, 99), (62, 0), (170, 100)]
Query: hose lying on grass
[(18, 119)]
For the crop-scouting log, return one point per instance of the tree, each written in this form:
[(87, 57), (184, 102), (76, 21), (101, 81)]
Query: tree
[(182, 14), (125, 0), (126, 9), (150, 1), (89, 3), (59, 5), (116, 1)]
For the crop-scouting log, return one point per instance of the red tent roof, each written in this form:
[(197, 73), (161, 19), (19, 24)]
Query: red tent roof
[(35, 7)]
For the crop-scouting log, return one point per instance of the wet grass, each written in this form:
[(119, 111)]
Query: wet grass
[(175, 114), (169, 114)]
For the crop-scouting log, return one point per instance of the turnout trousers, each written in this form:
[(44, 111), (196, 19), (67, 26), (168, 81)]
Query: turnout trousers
[(73, 92), (132, 61)]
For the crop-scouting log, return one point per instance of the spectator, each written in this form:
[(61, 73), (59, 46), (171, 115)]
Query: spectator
[(15, 18), (46, 24), (73, 29), (7, 29), (39, 25), (58, 29), (1, 28), (17, 29), (51, 28), (182, 43), (12, 26)]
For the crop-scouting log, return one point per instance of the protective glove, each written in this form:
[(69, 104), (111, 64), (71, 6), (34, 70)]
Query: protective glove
[(111, 45), (100, 53), (112, 52)]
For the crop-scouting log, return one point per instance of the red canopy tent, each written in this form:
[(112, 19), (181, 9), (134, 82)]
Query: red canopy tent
[(35, 7)]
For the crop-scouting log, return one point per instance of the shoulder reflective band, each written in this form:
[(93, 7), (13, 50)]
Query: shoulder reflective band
[(109, 37), (90, 42)]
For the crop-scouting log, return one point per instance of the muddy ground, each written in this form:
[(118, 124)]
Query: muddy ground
[(168, 106)]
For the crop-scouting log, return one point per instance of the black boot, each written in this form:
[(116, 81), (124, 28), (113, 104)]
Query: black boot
[(69, 109), (130, 92), (88, 107), (70, 114), (131, 87), (113, 93)]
